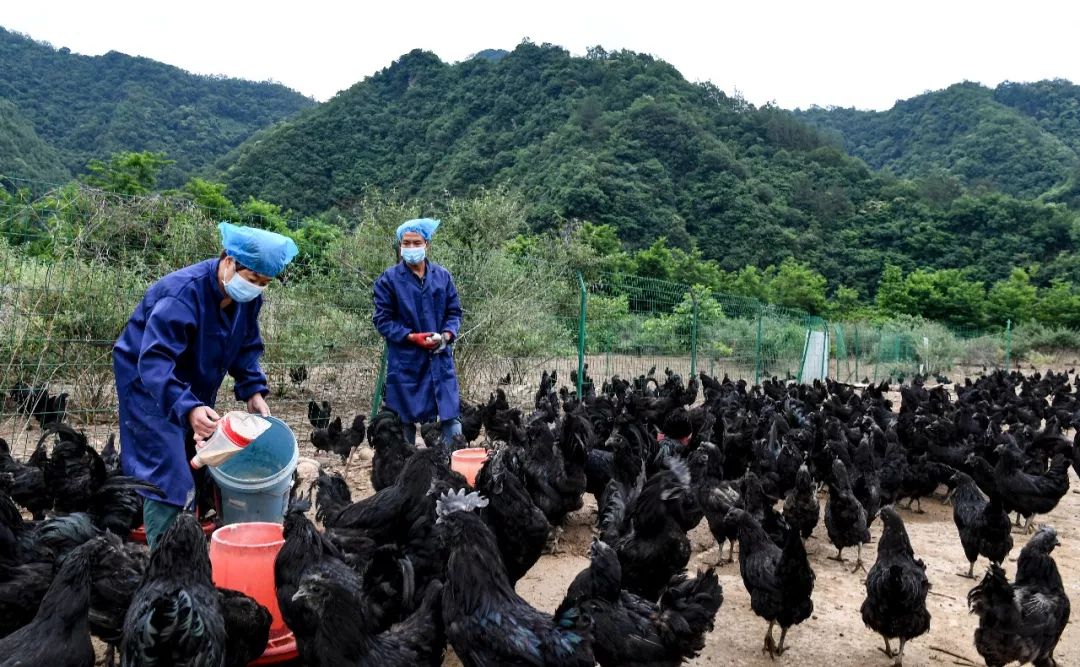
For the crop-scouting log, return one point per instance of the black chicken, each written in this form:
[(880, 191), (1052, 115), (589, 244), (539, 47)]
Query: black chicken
[(387, 516), (319, 414), (520, 528), (653, 547), (715, 496), (304, 546), (802, 509), (59, 633), (80, 482), (921, 479), (472, 421), (555, 471), (634, 632), (1026, 493), (346, 633), (845, 518), (340, 442), (175, 617), (38, 403), (386, 437), (983, 524), (117, 569), (26, 484), (867, 485), (896, 588), (247, 627), (780, 581), (1023, 621), (490, 624), (298, 374), (22, 588)]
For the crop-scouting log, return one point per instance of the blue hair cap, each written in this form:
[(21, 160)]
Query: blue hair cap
[(423, 226), (261, 251)]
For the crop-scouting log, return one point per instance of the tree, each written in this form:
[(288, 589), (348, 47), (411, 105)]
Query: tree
[(946, 296), (127, 173), (1012, 299), (211, 198), (845, 302), (796, 285), (1059, 305), (892, 297)]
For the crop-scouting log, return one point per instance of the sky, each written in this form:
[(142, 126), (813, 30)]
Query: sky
[(866, 54)]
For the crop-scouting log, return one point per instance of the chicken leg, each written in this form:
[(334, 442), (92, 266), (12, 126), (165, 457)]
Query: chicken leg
[(770, 644), (780, 647), (839, 555), (858, 561), (888, 648), (970, 573), (898, 659)]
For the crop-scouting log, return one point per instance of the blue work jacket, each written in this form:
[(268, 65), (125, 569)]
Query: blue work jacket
[(171, 358), (420, 384)]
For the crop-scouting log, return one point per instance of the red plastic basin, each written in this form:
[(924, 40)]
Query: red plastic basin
[(468, 462), (242, 555)]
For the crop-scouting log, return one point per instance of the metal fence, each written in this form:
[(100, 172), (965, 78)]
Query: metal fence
[(74, 264)]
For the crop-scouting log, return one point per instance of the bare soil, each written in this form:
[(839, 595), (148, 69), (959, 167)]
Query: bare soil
[(835, 635)]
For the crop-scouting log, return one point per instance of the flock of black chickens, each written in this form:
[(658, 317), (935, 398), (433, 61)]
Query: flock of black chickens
[(427, 561)]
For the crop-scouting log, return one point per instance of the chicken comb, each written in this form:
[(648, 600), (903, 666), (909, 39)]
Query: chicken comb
[(459, 501)]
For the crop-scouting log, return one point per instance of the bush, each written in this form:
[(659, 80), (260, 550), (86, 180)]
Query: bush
[(1042, 338)]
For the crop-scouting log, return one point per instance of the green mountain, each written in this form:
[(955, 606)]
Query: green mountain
[(23, 152), (1023, 139), (623, 139), (83, 107)]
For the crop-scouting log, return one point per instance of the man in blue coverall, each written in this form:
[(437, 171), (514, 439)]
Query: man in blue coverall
[(418, 312), (191, 328)]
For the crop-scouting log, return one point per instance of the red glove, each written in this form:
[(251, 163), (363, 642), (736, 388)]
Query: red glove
[(423, 340)]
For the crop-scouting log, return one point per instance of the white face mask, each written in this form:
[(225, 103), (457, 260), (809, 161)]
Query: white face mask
[(242, 290)]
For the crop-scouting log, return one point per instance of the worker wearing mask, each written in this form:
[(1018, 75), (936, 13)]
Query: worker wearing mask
[(191, 328), (418, 312)]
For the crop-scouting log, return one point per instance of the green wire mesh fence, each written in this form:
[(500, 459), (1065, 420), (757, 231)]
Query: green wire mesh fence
[(75, 262)]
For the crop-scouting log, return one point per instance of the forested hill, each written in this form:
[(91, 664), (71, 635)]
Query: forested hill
[(617, 138), (58, 110), (623, 139), (1020, 138)]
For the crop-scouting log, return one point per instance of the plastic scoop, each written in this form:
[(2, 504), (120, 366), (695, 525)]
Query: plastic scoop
[(235, 431)]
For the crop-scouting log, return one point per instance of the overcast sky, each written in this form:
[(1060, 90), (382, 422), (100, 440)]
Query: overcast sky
[(863, 53)]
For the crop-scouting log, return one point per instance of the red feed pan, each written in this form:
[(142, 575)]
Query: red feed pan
[(242, 556), (468, 462)]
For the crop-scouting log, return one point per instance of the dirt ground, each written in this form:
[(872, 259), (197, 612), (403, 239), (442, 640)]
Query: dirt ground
[(835, 635)]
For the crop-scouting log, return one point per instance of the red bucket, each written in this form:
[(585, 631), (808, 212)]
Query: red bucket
[(242, 556)]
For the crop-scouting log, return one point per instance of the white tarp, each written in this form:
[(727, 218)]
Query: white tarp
[(816, 360)]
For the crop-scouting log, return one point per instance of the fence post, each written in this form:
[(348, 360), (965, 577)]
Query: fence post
[(380, 383), (581, 334), (1008, 344), (825, 354), (757, 346), (855, 345), (693, 334)]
